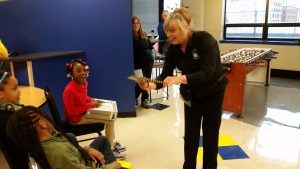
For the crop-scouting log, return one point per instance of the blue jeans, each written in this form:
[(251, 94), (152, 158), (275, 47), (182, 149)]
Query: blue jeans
[(101, 144)]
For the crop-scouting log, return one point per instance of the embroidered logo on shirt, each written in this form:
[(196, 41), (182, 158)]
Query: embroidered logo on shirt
[(195, 54)]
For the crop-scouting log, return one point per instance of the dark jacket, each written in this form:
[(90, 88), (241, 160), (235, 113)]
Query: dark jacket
[(142, 52), (200, 63), (161, 32)]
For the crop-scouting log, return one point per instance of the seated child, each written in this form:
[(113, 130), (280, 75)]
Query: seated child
[(9, 102), (31, 130), (77, 102)]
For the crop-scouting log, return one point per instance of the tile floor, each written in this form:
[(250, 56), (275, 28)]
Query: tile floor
[(268, 131)]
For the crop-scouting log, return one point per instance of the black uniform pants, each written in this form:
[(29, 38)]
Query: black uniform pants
[(147, 71), (207, 111)]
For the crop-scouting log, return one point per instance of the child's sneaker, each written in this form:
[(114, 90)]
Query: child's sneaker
[(119, 155), (118, 146)]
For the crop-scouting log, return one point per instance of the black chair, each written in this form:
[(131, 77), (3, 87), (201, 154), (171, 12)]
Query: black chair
[(78, 130)]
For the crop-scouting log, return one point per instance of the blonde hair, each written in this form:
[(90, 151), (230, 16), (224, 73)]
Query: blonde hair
[(141, 33), (181, 15)]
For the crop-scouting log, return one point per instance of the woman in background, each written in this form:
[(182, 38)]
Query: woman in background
[(143, 59)]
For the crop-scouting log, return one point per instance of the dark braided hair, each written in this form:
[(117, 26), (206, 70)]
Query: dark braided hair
[(3, 78), (71, 65), (22, 132)]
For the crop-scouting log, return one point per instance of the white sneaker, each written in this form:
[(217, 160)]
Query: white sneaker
[(118, 146), (119, 155)]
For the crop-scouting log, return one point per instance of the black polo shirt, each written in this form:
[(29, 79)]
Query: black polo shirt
[(200, 63)]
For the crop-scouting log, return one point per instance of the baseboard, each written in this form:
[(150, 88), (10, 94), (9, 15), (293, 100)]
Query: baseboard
[(126, 114), (290, 74)]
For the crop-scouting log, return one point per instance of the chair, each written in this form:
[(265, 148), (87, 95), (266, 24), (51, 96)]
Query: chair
[(78, 130)]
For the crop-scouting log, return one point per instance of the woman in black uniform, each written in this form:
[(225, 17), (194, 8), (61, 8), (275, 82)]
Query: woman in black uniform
[(142, 57), (202, 85)]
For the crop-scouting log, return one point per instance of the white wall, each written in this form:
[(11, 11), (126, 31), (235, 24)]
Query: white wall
[(197, 10)]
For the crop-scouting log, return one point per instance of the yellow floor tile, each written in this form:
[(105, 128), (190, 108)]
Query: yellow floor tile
[(226, 140)]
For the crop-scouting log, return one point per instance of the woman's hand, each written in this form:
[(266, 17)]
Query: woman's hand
[(96, 155), (144, 85), (175, 80)]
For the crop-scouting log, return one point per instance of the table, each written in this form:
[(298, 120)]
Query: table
[(237, 68), (32, 96)]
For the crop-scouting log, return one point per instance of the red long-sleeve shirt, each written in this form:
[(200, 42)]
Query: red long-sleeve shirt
[(76, 101)]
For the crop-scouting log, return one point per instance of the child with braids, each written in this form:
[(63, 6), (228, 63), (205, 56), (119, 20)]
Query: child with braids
[(77, 102), (31, 130), (9, 102)]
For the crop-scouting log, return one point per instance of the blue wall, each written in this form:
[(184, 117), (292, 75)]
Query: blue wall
[(102, 28)]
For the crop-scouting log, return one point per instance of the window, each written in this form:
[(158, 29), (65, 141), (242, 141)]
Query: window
[(277, 20), (171, 5)]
